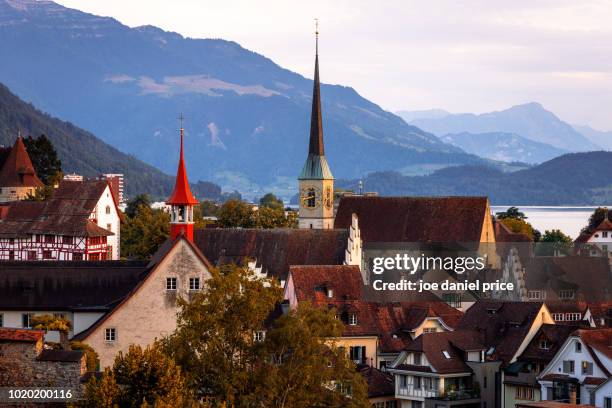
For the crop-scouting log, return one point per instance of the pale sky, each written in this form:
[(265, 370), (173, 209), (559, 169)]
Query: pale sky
[(462, 56)]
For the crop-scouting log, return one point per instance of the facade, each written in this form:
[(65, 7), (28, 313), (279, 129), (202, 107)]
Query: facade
[(116, 181), (599, 241), (18, 178), (582, 364), (316, 182), (80, 221)]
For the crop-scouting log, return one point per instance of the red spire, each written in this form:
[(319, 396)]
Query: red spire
[(18, 170), (182, 193)]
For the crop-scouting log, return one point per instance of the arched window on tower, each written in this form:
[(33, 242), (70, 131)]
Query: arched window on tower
[(310, 202), (181, 214)]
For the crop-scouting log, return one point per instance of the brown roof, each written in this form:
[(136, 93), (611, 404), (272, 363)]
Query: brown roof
[(584, 236), (273, 249), (65, 213), (66, 285), (503, 325), (554, 335), (26, 335), (17, 170), (594, 380), (454, 343), (66, 356), (598, 339), (414, 219), (602, 313), (380, 384), (549, 404), (392, 322)]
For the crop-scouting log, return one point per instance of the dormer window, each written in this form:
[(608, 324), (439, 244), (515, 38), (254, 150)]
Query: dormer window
[(566, 294), (352, 319), (417, 359), (578, 347), (544, 345), (446, 355), (330, 293)]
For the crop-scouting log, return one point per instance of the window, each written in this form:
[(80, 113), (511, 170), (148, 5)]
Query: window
[(607, 402), (524, 393), (47, 255), (352, 320), (403, 381), (587, 368), (558, 317), (109, 226), (428, 383), (108, 209), (572, 317), (311, 198), (31, 255), (259, 336), (357, 354), (536, 294), (39, 238), (67, 240), (604, 234), (568, 366), (417, 359), (26, 320), (566, 294), (11, 255), (77, 256), (417, 382), (1, 319), (429, 330), (578, 347), (170, 283), (446, 355), (452, 299), (49, 239), (110, 334), (604, 248), (194, 283), (544, 345)]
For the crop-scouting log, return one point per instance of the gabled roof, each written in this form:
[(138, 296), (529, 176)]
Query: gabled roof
[(273, 249), (380, 384), (181, 195), (67, 285), (22, 335), (554, 335), (605, 225), (437, 346), (503, 325), (18, 170), (415, 219), (598, 339), (66, 212)]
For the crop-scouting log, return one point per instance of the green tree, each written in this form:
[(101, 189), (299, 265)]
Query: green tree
[(521, 226), (142, 234), (208, 208), (236, 214), (44, 159), (600, 214), (511, 213), (554, 242), (267, 217), (140, 378), (305, 369), (91, 357), (271, 201), (135, 203)]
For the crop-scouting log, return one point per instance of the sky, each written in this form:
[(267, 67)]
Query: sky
[(469, 56)]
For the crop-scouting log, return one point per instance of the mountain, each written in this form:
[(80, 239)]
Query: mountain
[(83, 153), (506, 147), (571, 179), (599, 137), (247, 119), (409, 116), (530, 121)]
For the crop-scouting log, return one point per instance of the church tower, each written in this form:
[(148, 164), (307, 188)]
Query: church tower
[(316, 183), (181, 201)]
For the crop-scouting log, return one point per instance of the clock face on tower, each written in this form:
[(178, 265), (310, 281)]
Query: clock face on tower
[(310, 197)]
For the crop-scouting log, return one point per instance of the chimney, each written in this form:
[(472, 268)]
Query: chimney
[(572, 396)]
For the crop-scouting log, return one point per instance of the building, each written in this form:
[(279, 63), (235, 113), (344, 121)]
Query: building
[(115, 180), (80, 221), (73, 177), (580, 366), (18, 178), (24, 362), (598, 241), (316, 182), (381, 390)]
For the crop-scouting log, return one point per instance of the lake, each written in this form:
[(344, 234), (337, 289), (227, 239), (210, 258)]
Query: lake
[(570, 220)]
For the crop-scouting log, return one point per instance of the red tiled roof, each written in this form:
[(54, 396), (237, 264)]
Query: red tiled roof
[(18, 170), (599, 339), (26, 335), (66, 212), (414, 219), (380, 384), (601, 311)]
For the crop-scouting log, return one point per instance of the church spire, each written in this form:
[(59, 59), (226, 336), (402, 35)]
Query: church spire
[(182, 193), (316, 122)]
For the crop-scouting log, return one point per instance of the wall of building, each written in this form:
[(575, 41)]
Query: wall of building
[(110, 221), (15, 193), (605, 391), (151, 311), (369, 342)]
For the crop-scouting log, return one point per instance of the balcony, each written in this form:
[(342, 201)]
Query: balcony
[(411, 391)]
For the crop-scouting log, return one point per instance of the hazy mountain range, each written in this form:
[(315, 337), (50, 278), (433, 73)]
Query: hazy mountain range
[(247, 119)]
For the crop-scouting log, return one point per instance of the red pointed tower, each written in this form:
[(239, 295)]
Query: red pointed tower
[(181, 201)]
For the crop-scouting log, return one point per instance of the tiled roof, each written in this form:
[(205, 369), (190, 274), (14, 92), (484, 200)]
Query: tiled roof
[(598, 339), (605, 225), (436, 346), (273, 249), (601, 311), (414, 219), (66, 285), (503, 325), (17, 170), (380, 384), (66, 356), (554, 335), (594, 380), (65, 213), (26, 335)]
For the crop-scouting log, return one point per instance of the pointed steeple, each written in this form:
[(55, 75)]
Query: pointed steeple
[(182, 193), (316, 120), (18, 170)]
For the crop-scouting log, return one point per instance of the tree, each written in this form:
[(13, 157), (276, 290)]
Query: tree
[(511, 213), (140, 378), (48, 322), (44, 159), (305, 369), (91, 357), (554, 242), (142, 234), (136, 202), (521, 226), (267, 217), (600, 214), (271, 201), (208, 208), (236, 213)]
